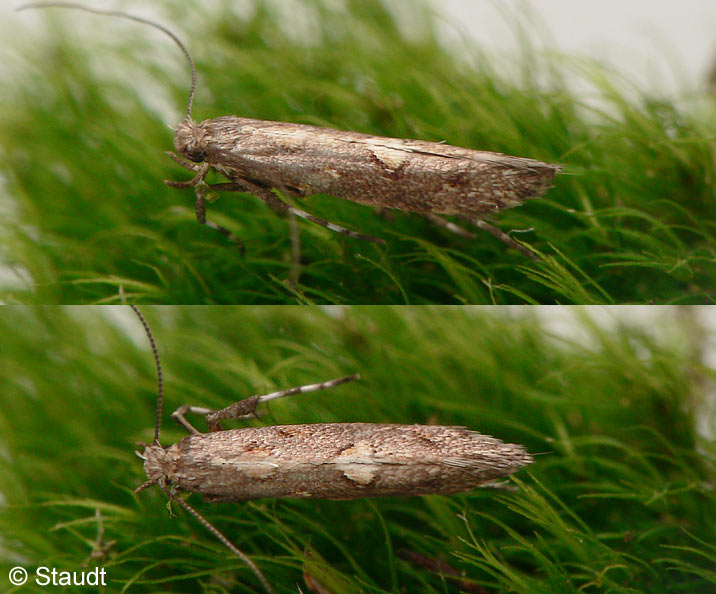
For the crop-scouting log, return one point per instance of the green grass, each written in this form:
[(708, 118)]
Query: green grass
[(620, 499), (87, 218)]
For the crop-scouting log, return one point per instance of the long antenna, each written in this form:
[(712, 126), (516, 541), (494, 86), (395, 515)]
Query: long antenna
[(201, 519), (160, 385), (131, 17), (225, 541)]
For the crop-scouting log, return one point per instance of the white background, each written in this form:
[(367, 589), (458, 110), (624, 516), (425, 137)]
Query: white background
[(656, 41)]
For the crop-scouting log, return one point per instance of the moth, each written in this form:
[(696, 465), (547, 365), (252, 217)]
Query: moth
[(280, 160), (316, 461)]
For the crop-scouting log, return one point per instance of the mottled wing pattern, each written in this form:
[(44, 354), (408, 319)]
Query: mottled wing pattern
[(339, 461), (411, 175)]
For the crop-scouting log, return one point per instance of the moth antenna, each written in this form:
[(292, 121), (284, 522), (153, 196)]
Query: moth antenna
[(160, 383), (225, 541), (131, 17)]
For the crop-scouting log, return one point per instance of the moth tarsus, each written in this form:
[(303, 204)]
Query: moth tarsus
[(262, 157)]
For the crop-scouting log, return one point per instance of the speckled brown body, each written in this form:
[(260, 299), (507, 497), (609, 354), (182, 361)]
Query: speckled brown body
[(333, 461), (409, 175)]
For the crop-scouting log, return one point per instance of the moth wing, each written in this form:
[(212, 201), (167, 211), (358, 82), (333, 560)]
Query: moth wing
[(441, 149)]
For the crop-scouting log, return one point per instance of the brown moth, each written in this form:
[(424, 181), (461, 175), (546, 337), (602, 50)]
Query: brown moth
[(409, 175), (333, 460), (273, 159), (317, 461)]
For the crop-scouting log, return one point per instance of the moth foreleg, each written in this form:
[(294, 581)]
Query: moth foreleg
[(201, 171), (185, 163)]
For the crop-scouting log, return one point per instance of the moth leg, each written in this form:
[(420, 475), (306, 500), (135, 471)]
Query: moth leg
[(327, 224), (185, 163), (332, 226), (438, 567), (277, 206), (201, 170), (450, 226), (499, 486), (178, 416), (502, 236), (200, 191), (280, 206), (266, 195), (295, 271), (246, 408), (200, 202)]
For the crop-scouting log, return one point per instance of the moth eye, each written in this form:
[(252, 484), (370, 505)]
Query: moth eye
[(198, 156)]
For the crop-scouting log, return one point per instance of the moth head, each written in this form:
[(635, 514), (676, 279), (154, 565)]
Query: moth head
[(157, 464), (189, 141)]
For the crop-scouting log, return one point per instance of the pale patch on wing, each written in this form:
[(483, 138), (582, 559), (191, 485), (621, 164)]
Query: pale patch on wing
[(358, 463), (333, 173), (362, 474), (390, 157), (361, 453)]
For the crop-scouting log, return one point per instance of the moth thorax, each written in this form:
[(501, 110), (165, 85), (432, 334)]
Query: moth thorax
[(156, 462), (189, 141)]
